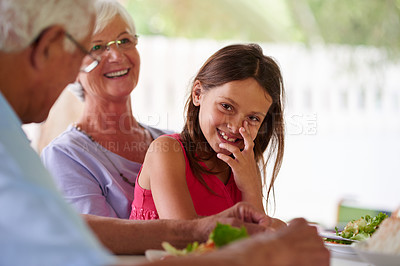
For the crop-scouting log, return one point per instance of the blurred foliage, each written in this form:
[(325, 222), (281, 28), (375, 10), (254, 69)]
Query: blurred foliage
[(353, 22), (215, 19), (356, 22)]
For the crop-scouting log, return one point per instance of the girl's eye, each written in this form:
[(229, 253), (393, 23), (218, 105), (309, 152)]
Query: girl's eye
[(226, 106), (254, 119)]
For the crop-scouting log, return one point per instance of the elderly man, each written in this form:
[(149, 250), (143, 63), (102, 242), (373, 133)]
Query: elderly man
[(42, 44), (37, 60)]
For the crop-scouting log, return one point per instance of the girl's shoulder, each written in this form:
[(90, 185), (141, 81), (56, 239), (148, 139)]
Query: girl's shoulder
[(165, 155), (175, 136), (167, 146)]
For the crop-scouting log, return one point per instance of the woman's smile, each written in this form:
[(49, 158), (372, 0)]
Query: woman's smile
[(117, 74)]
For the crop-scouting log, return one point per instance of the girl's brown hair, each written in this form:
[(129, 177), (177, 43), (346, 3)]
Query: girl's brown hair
[(239, 62)]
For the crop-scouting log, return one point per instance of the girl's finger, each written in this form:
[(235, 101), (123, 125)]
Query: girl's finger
[(227, 159), (231, 148), (245, 132)]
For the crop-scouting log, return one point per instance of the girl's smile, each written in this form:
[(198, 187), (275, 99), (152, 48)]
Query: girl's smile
[(228, 137)]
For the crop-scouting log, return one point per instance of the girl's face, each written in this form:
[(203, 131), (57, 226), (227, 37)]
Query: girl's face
[(224, 109), (118, 71)]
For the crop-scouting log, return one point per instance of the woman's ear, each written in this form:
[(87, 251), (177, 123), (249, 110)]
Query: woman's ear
[(196, 92), (50, 43)]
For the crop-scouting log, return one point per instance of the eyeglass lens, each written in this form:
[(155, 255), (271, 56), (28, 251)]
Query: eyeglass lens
[(126, 42)]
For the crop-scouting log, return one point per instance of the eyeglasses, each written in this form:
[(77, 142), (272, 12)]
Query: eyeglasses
[(123, 43), (89, 65)]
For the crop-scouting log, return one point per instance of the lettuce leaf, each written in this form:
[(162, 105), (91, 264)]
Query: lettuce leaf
[(362, 228), (224, 234)]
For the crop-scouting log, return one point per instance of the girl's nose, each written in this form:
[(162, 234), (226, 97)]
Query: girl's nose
[(235, 124)]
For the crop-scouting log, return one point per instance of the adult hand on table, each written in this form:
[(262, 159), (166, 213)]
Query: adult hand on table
[(241, 214), (298, 244)]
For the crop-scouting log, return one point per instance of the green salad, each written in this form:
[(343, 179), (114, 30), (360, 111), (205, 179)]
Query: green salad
[(362, 228), (222, 235)]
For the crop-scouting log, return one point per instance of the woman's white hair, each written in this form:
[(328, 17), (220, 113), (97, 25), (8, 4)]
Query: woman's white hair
[(21, 21), (106, 10)]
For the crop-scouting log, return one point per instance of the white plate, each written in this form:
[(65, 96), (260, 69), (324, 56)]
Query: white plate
[(340, 248), (155, 254), (342, 251), (377, 259)]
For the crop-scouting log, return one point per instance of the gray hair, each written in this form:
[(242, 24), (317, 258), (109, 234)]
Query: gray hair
[(106, 10), (21, 21)]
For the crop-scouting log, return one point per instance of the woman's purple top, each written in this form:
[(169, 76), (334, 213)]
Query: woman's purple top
[(87, 178)]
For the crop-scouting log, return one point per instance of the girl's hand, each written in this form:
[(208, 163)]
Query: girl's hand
[(244, 167)]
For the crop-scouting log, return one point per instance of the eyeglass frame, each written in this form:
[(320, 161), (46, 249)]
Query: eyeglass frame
[(116, 42), (95, 62)]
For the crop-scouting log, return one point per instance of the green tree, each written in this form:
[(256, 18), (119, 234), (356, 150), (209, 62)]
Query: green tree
[(352, 22)]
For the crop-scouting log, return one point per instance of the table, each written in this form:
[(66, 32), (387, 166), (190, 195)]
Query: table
[(342, 261), (126, 260), (345, 257), (335, 260)]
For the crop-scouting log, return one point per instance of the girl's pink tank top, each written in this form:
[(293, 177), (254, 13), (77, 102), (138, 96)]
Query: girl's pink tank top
[(205, 202)]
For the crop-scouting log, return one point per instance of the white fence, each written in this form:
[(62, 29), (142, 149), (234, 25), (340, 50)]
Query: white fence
[(342, 116)]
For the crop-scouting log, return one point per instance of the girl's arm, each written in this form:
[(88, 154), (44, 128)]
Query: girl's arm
[(164, 174)]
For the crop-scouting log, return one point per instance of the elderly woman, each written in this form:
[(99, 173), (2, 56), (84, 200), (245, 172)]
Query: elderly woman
[(96, 160)]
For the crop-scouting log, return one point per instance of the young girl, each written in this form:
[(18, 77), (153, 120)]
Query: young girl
[(234, 113)]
